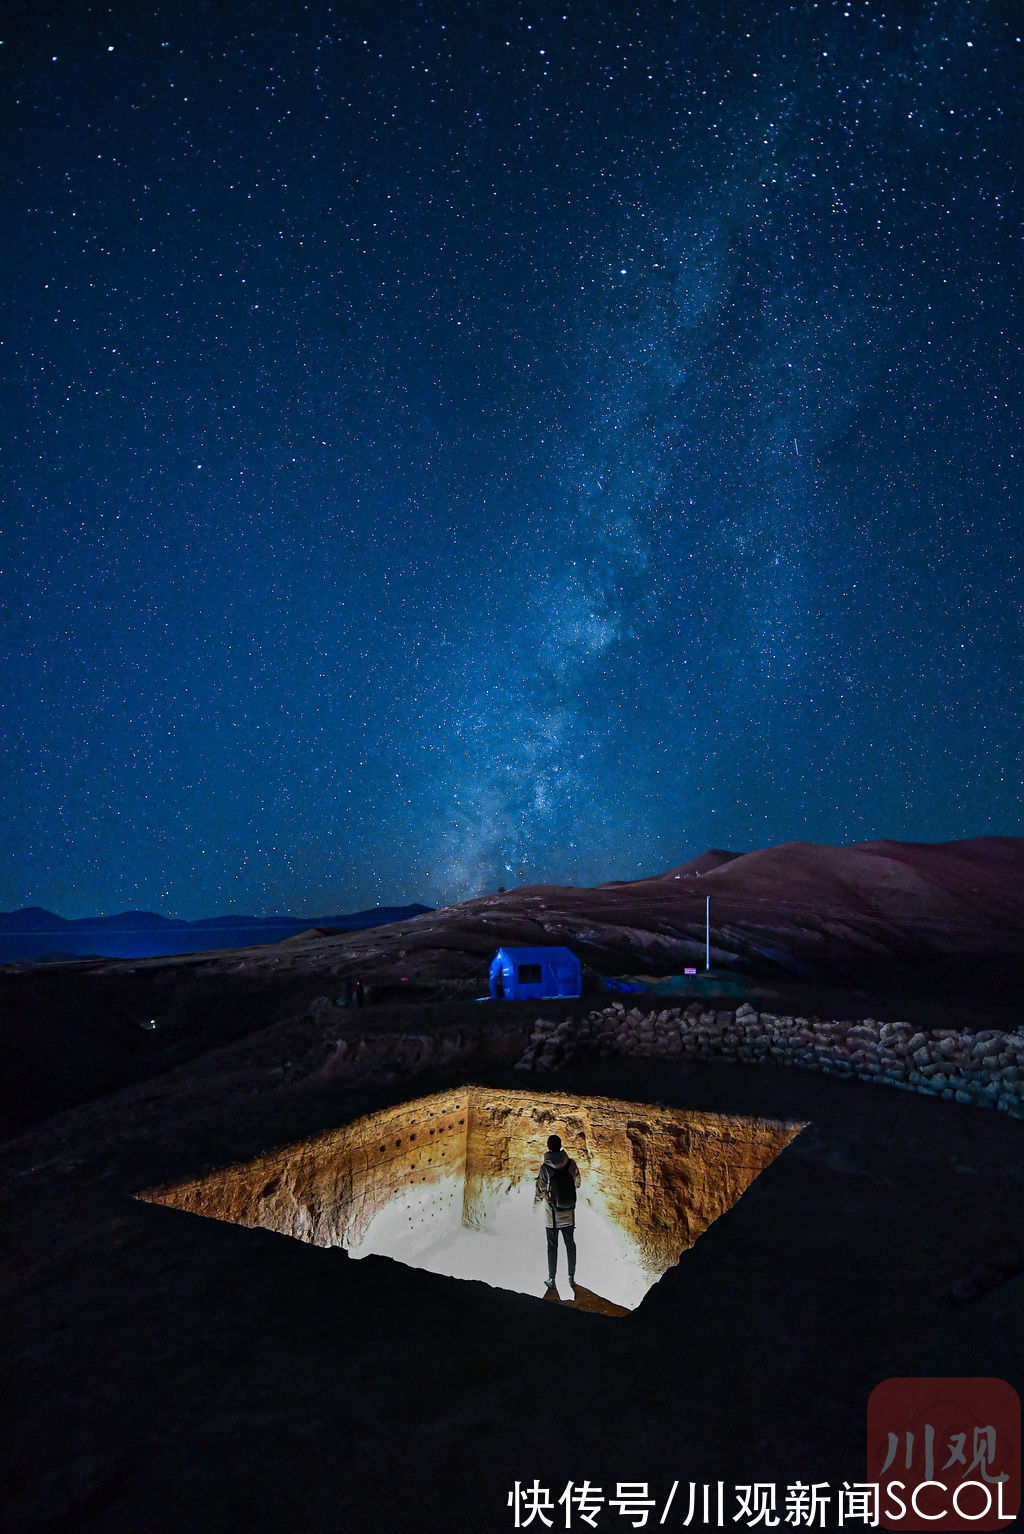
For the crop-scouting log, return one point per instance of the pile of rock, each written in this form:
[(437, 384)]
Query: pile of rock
[(379, 1055), (985, 1068)]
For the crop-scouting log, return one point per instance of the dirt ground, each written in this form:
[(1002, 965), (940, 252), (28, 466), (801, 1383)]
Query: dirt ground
[(173, 1373)]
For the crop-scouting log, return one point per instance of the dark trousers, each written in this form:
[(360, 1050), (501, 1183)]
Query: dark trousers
[(569, 1237)]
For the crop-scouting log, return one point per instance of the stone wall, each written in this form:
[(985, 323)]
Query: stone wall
[(985, 1068)]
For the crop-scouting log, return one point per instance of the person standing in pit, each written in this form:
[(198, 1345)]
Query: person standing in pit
[(557, 1181)]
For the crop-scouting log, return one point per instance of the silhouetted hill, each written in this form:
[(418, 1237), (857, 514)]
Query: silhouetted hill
[(704, 864)]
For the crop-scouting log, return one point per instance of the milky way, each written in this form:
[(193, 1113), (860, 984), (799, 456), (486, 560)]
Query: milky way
[(461, 445)]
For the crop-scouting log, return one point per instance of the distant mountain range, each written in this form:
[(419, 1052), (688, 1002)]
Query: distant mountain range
[(38, 935)]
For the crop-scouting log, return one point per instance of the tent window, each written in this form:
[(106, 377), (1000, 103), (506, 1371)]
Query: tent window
[(529, 974)]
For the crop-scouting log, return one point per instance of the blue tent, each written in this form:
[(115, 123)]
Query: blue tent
[(525, 974)]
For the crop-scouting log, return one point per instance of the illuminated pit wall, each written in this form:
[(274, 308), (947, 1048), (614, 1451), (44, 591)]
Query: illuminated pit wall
[(447, 1183), (327, 1191), (653, 1179)]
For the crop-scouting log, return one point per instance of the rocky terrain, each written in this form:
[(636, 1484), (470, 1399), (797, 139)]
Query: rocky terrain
[(174, 1372), (910, 924)]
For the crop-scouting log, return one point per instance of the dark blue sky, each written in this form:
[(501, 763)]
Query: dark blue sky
[(464, 444)]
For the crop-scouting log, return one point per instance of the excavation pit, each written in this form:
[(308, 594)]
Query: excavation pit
[(446, 1183)]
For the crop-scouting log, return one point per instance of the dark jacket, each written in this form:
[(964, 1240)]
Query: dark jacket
[(556, 1218)]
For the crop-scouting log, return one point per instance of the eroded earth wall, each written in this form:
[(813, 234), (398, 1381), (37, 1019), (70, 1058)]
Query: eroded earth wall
[(660, 1175), (327, 1190)]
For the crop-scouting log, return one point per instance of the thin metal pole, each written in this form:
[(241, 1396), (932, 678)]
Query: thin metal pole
[(707, 934)]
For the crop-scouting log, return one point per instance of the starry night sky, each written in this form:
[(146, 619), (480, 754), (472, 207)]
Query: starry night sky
[(456, 445)]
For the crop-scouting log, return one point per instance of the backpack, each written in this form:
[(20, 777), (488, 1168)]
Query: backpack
[(562, 1186)]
